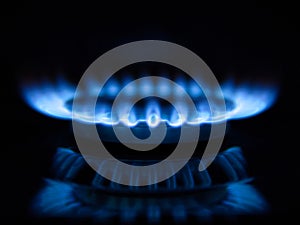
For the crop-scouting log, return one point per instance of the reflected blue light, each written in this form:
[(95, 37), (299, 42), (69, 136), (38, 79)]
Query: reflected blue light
[(68, 164), (66, 200), (179, 213), (187, 194), (241, 101), (154, 214)]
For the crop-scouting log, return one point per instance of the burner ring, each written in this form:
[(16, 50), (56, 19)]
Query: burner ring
[(140, 113), (140, 125)]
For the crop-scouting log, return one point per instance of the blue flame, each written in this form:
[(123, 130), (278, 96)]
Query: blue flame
[(153, 115), (241, 101)]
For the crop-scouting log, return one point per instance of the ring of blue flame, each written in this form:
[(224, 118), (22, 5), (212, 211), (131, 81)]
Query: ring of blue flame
[(53, 99)]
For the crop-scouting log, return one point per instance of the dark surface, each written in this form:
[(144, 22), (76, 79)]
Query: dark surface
[(251, 42)]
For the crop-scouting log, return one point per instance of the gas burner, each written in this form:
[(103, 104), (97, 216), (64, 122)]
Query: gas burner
[(75, 191)]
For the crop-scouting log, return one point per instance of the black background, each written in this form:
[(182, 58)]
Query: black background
[(250, 42)]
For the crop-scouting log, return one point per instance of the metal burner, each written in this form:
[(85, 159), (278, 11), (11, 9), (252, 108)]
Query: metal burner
[(75, 191)]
